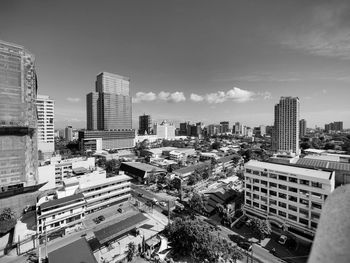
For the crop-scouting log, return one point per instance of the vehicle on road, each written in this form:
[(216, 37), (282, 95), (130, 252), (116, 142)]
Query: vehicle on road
[(245, 245), (120, 210), (162, 203), (101, 218), (282, 240)]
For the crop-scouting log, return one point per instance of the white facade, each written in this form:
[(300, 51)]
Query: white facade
[(289, 196), (46, 131), (46, 174), (165, 130)]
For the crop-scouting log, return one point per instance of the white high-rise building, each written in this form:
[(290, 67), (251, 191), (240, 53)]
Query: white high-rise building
[(46, 130), (286, 127), (288, 196), (165, 130)]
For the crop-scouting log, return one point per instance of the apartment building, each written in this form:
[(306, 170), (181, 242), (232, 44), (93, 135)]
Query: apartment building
[(59, 213), (290, 197)]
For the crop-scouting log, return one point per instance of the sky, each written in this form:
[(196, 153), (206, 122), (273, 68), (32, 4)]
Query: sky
[(190, 60)]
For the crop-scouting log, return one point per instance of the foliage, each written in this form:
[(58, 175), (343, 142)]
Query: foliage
[(131, 251), (152, 177), (112, 166), (261, 228), (191, 237), (305, 145), (7, 220), (236, 159), (216, 145), (197, 202), (195, 177)]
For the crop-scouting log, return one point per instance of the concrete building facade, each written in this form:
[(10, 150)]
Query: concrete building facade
[(165, 130), (286, 126), (302, 128), (145, 124), (46, 115), (288, 196)]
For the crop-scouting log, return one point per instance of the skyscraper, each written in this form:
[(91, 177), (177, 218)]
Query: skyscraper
[(286, 127), (145, 123), (109, 108), (225, 126), (302, 128), (46, 142), (18, 118), (68, 133)]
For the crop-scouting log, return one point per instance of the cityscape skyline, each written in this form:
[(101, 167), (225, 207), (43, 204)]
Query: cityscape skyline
[(180, 63)]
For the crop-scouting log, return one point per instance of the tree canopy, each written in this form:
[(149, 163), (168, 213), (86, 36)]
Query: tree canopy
[(7, 220)]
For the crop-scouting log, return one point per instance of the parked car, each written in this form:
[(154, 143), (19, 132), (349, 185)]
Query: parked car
[(282, 240), (101, 218), (245, 245), (162, 203), (249, 222), (120, 210)]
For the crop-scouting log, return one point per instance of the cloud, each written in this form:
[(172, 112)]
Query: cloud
[(322, 30), (234, 94), (196, 98), (265, 95), (162, 96), (142, 96), (70, 99)]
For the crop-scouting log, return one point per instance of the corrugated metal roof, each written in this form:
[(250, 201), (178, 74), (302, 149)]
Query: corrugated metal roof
[(61, 201)]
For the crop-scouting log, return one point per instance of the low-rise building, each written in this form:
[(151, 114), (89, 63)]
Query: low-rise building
[(288, 196), (141, 171)]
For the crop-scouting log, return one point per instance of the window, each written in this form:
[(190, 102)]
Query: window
[(53, 217), (316, 205), (255, 196), (273, 193), (255, 188), (264, 174), (248, 202), (282, 177), (316, 184), (256, 172), (255, 204), (313, 224), (303, 192), (292, 189), (248, 171), (273, 185), (273, 202), (273, 176), (303, 221), (304, 182), (248, 186), (292, 217), (283, 187), (264, 199), (273, 210), (304, 202), (263, 190), (281, 195), (293, 198), (281, 213), (248, 194), (315, 216), (293, 208), (293, 180), (263, 182), (256, 181), (71, 211), (304, 212), (316, 195), (264, 207), (281, 204)]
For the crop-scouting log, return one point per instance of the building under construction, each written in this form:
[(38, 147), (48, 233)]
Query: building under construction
[(18, 123)]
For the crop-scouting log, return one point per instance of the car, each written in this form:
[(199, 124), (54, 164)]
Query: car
[(249, 222), (162, 203), (120, 210), (101, 218), (140, 195), (245, 245), (282, 240), (96, 220)]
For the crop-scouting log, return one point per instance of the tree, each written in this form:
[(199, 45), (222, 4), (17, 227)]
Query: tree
[(197, 202), (131, 251), (7, 220), (216, 145), (261, 228), (112, 166), (195, 177)]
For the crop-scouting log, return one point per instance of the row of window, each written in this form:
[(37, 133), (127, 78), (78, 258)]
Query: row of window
[(285, 178), (280, 213), (103, 186)]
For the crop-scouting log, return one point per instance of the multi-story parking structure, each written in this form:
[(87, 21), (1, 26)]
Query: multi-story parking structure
[(288, 196)]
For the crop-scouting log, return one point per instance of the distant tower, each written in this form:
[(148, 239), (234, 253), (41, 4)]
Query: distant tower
[(286, 127), (145, 123), (46, 129), (225, 126), (68, 133), (302, 128)]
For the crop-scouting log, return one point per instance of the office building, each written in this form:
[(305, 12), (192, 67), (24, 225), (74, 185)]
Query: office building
[(237, 129), (68, 133), (145, 124), (112, 83), (286, 128), (262, 130), (225, 127), (114, 139), (46, 115), (91, 110), (185, 129), (165, 130), (289, 197), (18, 118), (302, 128)]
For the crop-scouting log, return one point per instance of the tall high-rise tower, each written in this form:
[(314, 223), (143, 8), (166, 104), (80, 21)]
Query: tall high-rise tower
[(145, 123), (302, 128), (46, 130), (286, 127), (18, 118), (109, 108)]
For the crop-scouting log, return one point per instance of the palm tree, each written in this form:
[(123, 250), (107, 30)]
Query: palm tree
[(131, 251)]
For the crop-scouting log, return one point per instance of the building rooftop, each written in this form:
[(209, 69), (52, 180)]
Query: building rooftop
[(144, 166), (61, 201), (290, 169), (191, 168), (111, 232), (323, 164), (94, 181), (76, 252)]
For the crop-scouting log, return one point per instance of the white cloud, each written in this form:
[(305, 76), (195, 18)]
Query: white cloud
[(234, 94), (142, 96), (162, 96), (70, 99), (196, 98), (265, 95)]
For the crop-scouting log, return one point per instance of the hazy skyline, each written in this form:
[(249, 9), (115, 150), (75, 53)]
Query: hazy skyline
[(199, 60)]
